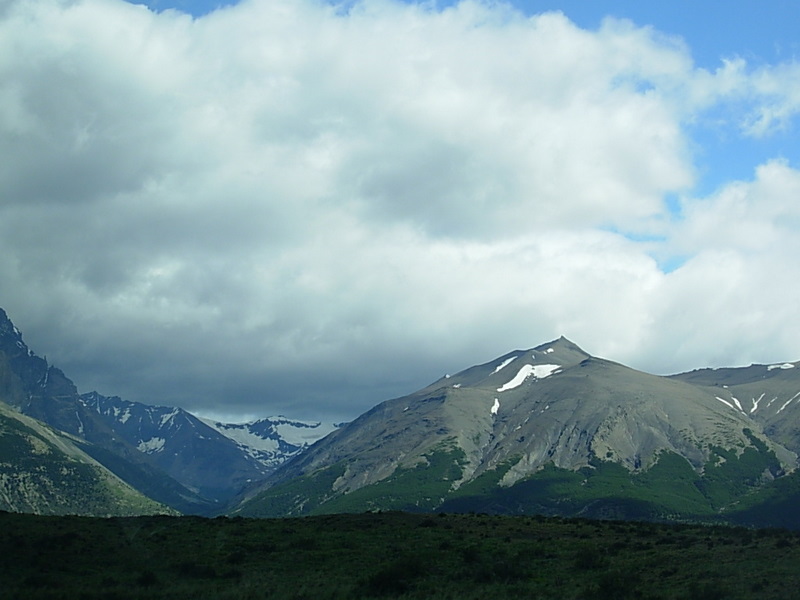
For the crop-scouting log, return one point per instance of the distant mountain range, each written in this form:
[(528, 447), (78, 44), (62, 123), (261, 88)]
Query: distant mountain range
[(177, 459), (549, 430)]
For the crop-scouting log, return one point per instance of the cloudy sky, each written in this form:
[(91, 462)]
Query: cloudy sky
[(302, 207)]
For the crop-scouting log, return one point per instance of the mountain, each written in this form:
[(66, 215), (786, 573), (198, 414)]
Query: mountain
[(213, 459), (274, 440), (187, 449), (45, 471), (167, 453), (31, 386), (551, 429), (768, 394)]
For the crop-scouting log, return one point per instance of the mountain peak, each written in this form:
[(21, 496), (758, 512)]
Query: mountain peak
[(554, 406), (10, 337), (562, 343), (551, 356)]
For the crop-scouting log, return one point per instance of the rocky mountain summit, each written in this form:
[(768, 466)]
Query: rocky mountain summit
[(551, 429)]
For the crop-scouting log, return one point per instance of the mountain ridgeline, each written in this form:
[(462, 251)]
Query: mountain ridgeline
[(550, 430), (554, 430)]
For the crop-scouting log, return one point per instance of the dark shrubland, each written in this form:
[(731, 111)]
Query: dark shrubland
[(390, 555)]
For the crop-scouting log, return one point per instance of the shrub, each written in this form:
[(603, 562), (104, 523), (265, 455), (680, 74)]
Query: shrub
[(395, 578), (147, 579), (589, 557)]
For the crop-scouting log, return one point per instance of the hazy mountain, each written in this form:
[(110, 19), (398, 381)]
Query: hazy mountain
[(273, 440), (215, 460), (551, 429), (33, 387), (169, 454), (184, 446), (45, 471)]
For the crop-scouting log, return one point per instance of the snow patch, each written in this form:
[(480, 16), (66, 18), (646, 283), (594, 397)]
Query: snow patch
[(168, 417), (542, 371), (724, 401), (152, 445), (495, 406), (789, 401), (303, 436), (295, 433), (549, 351), (756, 402), (781, 366), (244, 437), (735, 404), (505, 363), (538, 371), (525, 372)]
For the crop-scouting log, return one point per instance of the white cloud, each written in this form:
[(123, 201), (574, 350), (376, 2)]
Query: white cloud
[(759, 216), (777, 89), (288, 205), (734, 301)]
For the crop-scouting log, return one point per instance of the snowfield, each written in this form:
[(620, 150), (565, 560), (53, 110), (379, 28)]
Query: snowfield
[(538, 371), (781, 366), (504, 364), (152, 445)]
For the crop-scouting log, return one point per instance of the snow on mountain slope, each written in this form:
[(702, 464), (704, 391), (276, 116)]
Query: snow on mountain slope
[(768, 394), (186, 448), (538, 372), (554, 406), (273, 440)]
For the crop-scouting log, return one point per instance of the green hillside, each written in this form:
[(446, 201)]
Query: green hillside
[(43, 471), (728, 490)]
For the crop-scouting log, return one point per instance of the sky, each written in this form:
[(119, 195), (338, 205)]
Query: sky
[(305, 208)]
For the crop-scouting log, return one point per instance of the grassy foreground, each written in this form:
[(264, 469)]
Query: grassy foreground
[(390, 555)]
